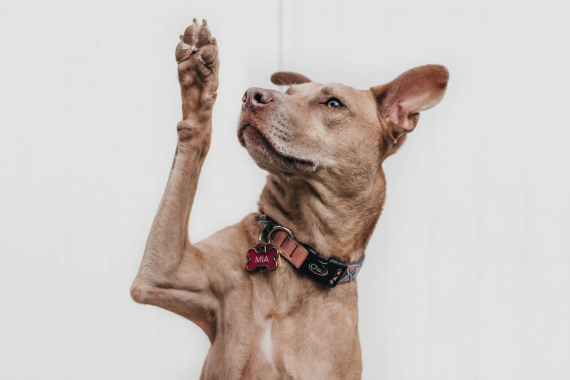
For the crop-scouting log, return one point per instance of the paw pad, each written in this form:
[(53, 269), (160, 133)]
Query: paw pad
[(195, 38)]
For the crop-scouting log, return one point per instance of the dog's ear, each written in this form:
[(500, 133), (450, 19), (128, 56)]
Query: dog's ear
[(288, 78), (416, 90)]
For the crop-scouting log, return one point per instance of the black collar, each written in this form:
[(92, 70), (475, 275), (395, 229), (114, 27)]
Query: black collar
[(324, 270)]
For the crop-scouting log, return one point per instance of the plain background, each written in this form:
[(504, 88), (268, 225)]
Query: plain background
[(468, 272)]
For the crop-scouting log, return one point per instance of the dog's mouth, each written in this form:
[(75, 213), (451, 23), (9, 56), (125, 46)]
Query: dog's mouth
[(250, 136)]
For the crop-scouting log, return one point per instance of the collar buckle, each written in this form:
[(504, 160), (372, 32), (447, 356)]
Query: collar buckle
[(325, 271)]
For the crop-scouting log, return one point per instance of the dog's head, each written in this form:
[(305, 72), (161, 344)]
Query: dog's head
[(334, 130)]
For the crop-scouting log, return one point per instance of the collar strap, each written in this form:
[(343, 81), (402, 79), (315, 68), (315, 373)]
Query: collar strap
[(324, 270)]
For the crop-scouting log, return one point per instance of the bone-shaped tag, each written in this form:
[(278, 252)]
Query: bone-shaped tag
[(262, 256)]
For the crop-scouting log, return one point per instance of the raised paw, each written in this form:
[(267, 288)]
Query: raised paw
[(197, 56)]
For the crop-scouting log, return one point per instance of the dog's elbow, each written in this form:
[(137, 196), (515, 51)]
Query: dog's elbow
[(140, 292)]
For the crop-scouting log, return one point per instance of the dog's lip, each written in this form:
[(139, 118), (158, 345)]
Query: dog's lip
[(241, 128), (271, 147)]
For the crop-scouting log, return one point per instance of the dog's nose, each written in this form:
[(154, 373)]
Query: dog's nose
[(256, 97)]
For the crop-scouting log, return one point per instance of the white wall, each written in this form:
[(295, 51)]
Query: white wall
[(468, 273)]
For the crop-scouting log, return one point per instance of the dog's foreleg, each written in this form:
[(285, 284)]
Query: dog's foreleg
[(172, 273)]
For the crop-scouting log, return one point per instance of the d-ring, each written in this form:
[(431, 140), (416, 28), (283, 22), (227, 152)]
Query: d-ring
[(276, 228)]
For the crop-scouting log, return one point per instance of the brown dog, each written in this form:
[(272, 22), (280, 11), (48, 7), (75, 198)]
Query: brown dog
[(323, 146)]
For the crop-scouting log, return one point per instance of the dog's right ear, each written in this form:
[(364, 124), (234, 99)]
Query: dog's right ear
[(288, 78), (401, 101)]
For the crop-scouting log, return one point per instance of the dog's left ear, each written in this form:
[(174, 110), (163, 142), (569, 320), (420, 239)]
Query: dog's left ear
[(416, 90), (288, 78)]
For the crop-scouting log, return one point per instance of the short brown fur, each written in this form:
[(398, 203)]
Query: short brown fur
[(325, 184)]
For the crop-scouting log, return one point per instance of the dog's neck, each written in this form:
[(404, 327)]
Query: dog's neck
[(335, 223)]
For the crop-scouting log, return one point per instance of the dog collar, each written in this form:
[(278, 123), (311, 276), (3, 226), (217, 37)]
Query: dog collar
[(327, 271)]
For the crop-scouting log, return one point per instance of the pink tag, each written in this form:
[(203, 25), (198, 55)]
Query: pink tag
[(262, 256)]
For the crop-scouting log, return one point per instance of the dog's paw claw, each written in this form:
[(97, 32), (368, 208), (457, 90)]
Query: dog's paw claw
[(190, 33), (195, 37)]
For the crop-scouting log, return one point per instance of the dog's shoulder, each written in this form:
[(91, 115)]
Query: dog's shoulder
[(226, 249), (240, 236)]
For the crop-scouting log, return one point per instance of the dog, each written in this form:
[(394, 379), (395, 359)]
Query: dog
[(276, 293)]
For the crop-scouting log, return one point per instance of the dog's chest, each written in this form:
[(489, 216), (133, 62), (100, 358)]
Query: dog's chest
[(280, 332)]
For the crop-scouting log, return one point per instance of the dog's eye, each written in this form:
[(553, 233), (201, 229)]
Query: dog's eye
[(333, 103)]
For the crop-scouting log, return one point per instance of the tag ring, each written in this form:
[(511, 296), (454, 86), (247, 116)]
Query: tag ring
[(261, 237)]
